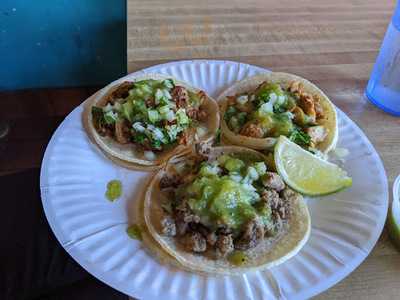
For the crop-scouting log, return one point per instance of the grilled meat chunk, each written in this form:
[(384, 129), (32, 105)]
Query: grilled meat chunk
[(224, 245), (122, 133), (317, 133), (273, 181), (121, 92), (195, 242), (168, 227), (183, 216), (252, 130), (180, 95), (251, 236), (168, 181)]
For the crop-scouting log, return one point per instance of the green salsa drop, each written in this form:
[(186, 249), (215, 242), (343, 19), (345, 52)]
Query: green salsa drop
[(237, 258), (134, 232), (114, 190)]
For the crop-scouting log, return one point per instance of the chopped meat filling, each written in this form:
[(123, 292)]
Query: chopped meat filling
[(105, 130), (273, 181), (252, 130), (296, 87), (216, 235), (307, 104), (211, 238), (224, 245), (318, 107), (195, 242), (271, 197), (180, 95), (121, 92), (150, 102), (253, 233), (196, 113), (122, 133), (168, 226), (317, 133), (183, 138), (169, 181), (183, 216), (279, 205)]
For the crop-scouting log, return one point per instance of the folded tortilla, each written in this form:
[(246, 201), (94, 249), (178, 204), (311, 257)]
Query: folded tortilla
[(329, 121), (270, 252), (128, 155)]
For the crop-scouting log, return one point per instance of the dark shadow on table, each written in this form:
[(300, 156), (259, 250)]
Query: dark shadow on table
[(33, 264)]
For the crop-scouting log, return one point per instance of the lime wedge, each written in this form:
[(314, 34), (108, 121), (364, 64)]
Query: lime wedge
[(394, 216), (307, 173)]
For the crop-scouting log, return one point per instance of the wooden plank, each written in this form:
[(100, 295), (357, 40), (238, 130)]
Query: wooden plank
[(220, 29)]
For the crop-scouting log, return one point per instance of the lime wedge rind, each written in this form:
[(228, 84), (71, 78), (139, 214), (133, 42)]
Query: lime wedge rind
[(394, 215), (306, 173)]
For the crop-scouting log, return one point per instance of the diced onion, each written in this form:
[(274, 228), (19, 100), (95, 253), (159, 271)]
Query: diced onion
[(163, 109), (149, 155), (273, 97), (166, 94), (201, 131), (150, 127), (117, 106), (138, 127), (281, 99), (170, 116), (158, 95), (267, 107), (157, 134), (107, 108), (242, 99)]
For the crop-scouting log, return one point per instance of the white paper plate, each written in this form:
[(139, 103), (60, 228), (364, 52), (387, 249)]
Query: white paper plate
[(74, 174)]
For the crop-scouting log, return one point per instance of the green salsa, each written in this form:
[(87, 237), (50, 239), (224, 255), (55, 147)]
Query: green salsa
[(114, 190), (149, 114), (134, 232), (273, 110), (237, 258), (231, 199)]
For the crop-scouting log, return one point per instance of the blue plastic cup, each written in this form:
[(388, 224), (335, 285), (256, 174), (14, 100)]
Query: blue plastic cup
[(383, 87)]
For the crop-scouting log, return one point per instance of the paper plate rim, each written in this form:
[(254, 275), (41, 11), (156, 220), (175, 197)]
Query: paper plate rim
[(307, 293)]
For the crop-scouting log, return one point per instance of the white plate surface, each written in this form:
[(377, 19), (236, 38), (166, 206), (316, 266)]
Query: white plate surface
[(74, 174)]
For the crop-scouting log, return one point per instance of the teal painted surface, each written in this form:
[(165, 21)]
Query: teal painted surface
[(54, 43)]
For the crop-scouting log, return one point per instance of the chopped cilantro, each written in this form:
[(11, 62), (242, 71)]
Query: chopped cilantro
[(230, 111), (218, 137), (139, 137), (98, 116), (242, 118), (168, 83), (300, 137), (156, 144)]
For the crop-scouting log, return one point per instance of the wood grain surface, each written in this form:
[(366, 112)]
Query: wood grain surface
[(333, 43)]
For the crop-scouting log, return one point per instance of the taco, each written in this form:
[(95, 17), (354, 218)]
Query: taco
[(258, 109), (143, 123), (221, 211)]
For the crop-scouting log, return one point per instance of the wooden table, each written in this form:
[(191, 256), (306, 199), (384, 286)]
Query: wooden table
[(332, 43)]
